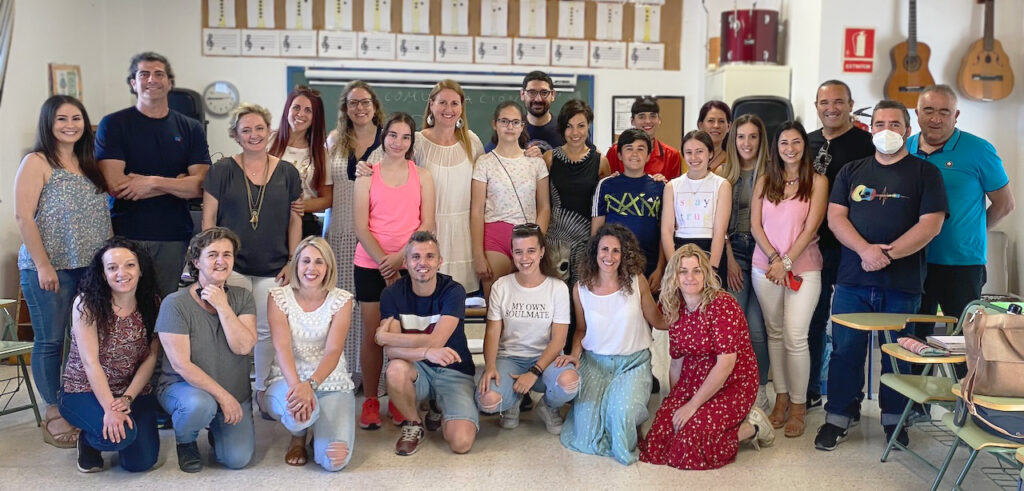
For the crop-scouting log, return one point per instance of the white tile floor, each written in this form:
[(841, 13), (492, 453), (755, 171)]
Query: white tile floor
[(501, 459)]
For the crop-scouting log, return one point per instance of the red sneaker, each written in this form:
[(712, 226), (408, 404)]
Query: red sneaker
[(370, 418), (395, 414)]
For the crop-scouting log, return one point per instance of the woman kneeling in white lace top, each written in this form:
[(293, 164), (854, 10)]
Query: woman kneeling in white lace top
[(309, 386)]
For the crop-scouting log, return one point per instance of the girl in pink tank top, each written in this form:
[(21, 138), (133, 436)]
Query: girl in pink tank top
[(388, 206)]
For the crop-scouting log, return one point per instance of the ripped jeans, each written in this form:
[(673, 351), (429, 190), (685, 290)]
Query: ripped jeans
[(554, 395)]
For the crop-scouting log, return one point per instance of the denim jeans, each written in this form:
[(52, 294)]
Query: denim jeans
[(554, 395), (139, 449), (333, 420), (743, 250), (193, 409), (453, 390), (819, 321), (849, 351), (51, 316)]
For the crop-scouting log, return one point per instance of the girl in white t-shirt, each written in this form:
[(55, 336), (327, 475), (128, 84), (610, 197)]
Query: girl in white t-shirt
[(508, 189), (527, 322)]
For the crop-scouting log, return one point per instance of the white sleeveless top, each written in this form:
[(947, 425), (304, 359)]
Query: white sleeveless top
[(309, 337), (615, 323), (694, 203)]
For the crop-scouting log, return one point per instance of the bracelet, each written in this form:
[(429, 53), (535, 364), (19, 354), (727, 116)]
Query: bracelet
[(535, 369), (886, 252), (774, 257), (129, 398), (425, 350)]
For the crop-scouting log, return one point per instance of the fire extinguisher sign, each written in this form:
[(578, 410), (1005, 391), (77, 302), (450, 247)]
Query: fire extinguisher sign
[(859, 50)]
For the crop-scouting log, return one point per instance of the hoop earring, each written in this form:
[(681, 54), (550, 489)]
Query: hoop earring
[(430, 120), (458, 123)]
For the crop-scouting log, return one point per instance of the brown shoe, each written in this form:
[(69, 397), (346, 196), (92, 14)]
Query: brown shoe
[(296, 454), (412, 435), (795, 423), (778, 415)]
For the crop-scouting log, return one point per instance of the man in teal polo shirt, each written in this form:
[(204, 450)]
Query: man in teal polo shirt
[(971, 170)]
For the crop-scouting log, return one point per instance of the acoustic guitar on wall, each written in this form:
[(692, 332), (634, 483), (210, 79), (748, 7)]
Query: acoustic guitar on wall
[(985, 73), (910, 73)]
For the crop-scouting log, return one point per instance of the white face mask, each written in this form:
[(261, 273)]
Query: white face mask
[(887, 141)]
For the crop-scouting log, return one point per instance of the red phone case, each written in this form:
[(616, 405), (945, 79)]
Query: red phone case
[(795, 281)]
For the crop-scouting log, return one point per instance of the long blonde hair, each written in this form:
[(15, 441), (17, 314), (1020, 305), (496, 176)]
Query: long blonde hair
[(344, 133), (730, 170), (671, 298), (461, 133)]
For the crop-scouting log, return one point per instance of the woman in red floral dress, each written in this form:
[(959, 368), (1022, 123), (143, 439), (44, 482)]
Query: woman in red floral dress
[(708, 412)]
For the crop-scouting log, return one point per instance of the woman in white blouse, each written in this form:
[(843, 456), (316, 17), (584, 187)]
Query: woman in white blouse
[(301, 139), (309, 386)]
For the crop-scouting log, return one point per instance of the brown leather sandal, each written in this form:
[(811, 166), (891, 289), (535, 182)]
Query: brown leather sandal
[(296, 455), (778, 416), (64, 439), (795, 423)]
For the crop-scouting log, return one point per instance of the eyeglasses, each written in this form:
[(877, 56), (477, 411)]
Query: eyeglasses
[(509, 123), (823, 158), (363, 103), (533, 94), (526, 227)]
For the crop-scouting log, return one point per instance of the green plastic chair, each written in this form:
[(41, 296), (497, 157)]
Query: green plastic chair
[(10, 347), (979, 441)]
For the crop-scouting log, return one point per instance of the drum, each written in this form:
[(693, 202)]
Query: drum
[(750, 36)]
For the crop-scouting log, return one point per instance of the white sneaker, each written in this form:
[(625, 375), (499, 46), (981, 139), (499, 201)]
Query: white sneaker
[(510, 418), (552, 418), (762, 398), (765, 435)]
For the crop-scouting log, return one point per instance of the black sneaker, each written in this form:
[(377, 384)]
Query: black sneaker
[(829, 436), (655, 385), (432, 422), (409, 441), (89, 459), (526, 404), (814, 401), (903, 438), (188, 457)]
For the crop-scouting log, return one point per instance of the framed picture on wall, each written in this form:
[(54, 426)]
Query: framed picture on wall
[(66, 80)]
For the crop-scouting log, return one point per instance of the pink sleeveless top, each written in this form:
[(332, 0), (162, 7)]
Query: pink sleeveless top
[(783, 223), (394, 214)]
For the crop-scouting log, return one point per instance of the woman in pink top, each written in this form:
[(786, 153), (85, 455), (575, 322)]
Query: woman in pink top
[(788, 206), (389, 205)]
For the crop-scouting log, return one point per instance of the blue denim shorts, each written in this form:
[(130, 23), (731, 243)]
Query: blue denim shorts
[(453, 390)]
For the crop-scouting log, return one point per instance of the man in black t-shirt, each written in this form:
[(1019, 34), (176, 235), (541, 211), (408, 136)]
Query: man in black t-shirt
[(423, 335), (837, 143), (883, 210)]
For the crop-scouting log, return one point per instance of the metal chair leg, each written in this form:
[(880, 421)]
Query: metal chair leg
[(31, 390), (963, 474), (899, 426), (945, 463)]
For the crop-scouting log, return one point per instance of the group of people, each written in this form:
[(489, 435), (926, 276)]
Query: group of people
[(731, 245)]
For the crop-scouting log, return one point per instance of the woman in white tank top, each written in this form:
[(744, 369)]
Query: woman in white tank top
[(614, 315)]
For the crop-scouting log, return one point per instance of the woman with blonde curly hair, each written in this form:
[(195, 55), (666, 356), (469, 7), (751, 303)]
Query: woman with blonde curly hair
[(708, 412), (611, 347)]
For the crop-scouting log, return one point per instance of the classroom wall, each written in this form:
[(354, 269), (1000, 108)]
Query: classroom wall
[(101, 36)]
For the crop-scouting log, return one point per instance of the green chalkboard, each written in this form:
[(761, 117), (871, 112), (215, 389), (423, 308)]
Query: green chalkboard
[(480, 103)]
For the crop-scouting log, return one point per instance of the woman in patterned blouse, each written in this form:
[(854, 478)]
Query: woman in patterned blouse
[(107, 391)]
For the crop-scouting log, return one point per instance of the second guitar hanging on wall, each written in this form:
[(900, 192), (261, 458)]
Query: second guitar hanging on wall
[(985, 73), (910, 73)]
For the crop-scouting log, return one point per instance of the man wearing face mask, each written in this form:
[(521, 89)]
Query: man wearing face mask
[(884, 210), (837, 143), (972, 171)]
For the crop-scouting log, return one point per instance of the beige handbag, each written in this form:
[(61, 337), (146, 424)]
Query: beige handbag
[(995, 359)]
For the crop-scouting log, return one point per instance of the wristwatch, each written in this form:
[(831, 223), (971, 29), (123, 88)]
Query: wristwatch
[(787, 263), (313, 384)]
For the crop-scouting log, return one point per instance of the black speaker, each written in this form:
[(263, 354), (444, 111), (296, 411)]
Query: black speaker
[(189, 103), (773, 110)]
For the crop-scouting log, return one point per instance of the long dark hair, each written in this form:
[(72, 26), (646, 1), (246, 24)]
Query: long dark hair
[(547, 268), (401, 117), (523, 137), (775, 183), (316, 135), (85, 149), (632, 260), (94, 291), (721, 106)]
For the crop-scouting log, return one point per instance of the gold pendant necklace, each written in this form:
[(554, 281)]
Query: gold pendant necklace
[(254, 208)]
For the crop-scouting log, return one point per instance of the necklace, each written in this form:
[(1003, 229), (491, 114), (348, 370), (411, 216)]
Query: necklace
[(792, 181), (254, 208)]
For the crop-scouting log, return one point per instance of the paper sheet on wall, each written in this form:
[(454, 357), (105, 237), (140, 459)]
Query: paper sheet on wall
[(569, 53), (298, 14), (649, 56), (338, 15), (221, 13), (260, 14), (647, 23), (415, 47), (494, 50), (650, 2), (298, 43), (531, 51), (453, 49), (494, 18), (607, 54), (455, 17), (609, 21), (416, 16), (377, 16), (533, 18), (571, 19), (227, 42), (260, 42), (337, 44), (376, 46), (623, 110)]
